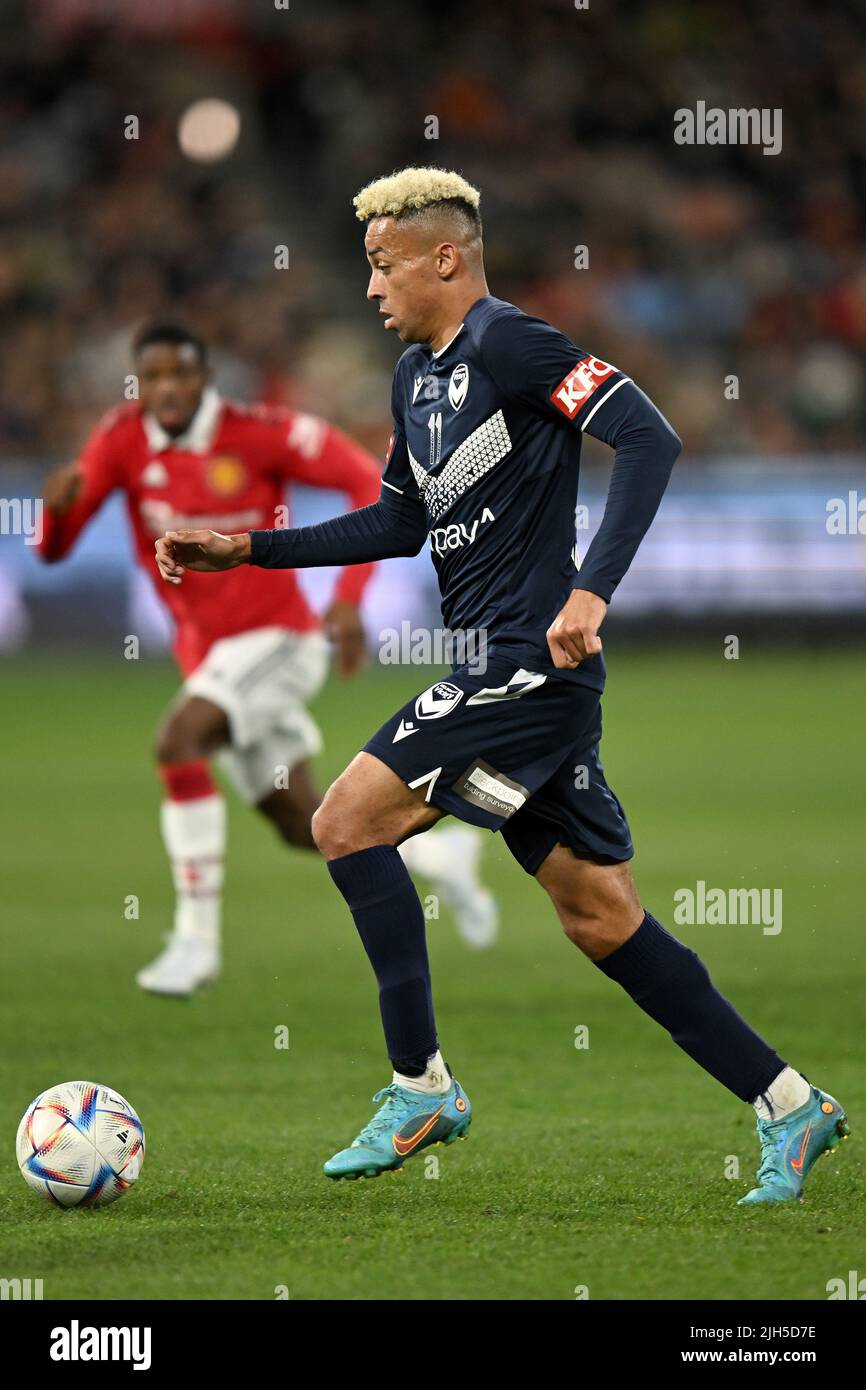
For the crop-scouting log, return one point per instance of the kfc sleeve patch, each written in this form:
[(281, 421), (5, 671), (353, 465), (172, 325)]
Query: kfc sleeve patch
[(584, 379)]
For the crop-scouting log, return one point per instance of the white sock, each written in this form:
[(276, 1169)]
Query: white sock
[(194, 833), (788, 1092), (434, 1082), (425, 854)]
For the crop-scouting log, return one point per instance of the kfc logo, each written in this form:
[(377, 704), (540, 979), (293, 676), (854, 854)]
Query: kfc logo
[(582, 381)]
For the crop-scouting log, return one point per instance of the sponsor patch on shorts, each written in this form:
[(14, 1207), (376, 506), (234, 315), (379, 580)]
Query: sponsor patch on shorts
[(491, 790)]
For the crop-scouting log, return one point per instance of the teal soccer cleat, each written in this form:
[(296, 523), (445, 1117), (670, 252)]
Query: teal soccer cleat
[(406, 1123), (790, 1146)]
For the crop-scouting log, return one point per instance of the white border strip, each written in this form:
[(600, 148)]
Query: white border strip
[(606, 397), (448, 344)]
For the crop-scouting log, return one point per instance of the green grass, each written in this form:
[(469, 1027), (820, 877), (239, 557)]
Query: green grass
[(601, 1167)]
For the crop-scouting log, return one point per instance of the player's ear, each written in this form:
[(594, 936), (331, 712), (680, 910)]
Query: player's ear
[(447, 259)]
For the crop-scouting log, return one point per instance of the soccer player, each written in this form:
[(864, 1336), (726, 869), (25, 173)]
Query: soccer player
[(488, 410), (252, 650)]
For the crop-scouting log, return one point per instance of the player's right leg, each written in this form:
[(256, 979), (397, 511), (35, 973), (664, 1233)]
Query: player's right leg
[(193, 823), (244, 705), (465, 747), (366, 813)]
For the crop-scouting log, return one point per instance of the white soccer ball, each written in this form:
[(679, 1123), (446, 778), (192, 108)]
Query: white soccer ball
[(80, 1144)]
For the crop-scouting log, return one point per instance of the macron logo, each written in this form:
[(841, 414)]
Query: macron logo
[(585, 378)]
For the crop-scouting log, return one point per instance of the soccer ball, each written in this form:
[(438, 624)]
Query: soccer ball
[(80, 1144)]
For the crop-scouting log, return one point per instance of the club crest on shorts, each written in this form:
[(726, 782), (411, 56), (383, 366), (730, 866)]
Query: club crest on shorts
[(438, 701), (458, 386)]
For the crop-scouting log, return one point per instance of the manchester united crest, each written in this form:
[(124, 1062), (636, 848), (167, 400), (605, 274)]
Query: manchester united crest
[(225, 475)]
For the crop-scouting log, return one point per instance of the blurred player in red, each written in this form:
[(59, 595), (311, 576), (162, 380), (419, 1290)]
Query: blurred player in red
[(252, 651)]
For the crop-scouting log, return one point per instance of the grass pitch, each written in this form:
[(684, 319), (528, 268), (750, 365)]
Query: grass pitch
[(601, 1167)]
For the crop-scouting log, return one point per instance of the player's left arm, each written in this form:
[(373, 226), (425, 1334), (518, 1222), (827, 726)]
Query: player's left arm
[(646, 448), (542, 367), (320, 455)]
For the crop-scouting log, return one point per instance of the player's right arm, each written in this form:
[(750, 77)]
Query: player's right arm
[(72, 494), (395, 525)]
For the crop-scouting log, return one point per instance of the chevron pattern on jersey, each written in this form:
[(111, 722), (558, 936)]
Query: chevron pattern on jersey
[(422, 478), (479, 452)]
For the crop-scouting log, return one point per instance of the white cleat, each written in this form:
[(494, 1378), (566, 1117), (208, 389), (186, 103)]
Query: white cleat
[(183, 967), (458, 881)]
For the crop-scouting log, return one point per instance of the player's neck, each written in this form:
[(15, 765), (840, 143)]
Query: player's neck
[(456, 314)]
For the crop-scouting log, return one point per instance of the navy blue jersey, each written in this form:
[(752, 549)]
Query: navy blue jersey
[(486, 436), (483, 465)]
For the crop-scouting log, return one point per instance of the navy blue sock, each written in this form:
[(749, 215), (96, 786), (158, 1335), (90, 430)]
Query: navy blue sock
[(390, 921), (673, 986)]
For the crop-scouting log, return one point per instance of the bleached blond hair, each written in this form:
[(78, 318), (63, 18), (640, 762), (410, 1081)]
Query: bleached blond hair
[(410, 190)]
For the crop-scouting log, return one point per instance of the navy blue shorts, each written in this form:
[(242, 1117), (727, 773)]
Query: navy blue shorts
[(514, 751)]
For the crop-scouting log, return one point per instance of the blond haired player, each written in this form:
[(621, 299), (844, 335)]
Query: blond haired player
[(489, 406)]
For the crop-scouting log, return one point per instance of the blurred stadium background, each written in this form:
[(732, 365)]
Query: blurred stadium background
[(704, 262)]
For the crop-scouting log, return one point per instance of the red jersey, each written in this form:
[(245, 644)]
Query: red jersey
[(228, 472)]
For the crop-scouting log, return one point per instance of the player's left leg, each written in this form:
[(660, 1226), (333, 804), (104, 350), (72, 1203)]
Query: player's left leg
[(599, 908), (449, 857), (291, 808), (273, 738)]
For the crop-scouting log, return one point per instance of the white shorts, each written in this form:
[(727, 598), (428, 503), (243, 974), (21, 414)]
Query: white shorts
[(263, 679)]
